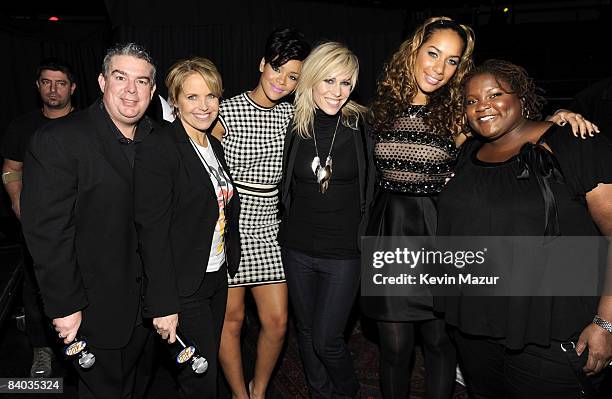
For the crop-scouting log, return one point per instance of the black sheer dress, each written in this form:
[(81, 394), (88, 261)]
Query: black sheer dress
[(413, 163)]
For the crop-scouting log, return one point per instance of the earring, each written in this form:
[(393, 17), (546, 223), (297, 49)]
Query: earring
[(525, 112)]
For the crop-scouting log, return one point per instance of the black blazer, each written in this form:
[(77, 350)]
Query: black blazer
[(176, 213), (77, 217), (365, 164)]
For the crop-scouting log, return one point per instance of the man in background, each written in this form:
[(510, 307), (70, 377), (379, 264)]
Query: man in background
[(55, 84)]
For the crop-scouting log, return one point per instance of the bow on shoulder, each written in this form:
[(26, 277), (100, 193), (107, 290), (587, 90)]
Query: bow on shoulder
[(535, 160)]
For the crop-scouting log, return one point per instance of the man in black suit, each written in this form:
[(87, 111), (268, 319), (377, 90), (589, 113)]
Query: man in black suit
[(77, 215)]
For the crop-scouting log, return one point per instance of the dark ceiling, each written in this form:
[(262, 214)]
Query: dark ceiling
[(44, 9), (96, 8)]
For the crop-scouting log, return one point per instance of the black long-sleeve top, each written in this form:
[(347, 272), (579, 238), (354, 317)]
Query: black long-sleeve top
[(326, 225)]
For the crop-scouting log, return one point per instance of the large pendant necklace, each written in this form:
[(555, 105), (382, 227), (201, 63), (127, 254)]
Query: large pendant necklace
[(323, 173)]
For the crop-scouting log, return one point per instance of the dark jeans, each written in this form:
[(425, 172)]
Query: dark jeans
[(201, 320), (322, 292), (493, 371)]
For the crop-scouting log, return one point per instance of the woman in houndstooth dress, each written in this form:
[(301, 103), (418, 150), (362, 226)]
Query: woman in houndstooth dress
[(253, 141), (252, 128)]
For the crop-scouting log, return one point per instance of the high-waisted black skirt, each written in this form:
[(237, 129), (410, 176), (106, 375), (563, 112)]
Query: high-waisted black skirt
[(398, 214)]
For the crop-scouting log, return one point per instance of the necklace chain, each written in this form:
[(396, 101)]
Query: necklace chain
[(323, 173), (332, 142), (210, 170)]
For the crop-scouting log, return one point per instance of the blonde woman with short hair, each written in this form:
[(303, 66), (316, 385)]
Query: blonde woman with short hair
[(186, 215), (328, 175)]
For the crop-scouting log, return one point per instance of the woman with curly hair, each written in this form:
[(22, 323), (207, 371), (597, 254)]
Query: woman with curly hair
[(417, 117)]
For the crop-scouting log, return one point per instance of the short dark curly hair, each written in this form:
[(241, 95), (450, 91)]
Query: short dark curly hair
[(56, 64), (519, 81), (285, 44)]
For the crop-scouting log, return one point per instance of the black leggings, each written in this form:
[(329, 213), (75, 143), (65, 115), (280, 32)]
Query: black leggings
[(396, 348)]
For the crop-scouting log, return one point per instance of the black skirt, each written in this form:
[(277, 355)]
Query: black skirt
[(398, 214)]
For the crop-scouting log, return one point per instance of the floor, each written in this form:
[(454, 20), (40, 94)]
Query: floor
[(288, 380), (15, 355)]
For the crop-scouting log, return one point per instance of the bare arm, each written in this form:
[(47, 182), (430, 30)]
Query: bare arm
[(460, 139), (598, 340), (218, 130), (13, 183)]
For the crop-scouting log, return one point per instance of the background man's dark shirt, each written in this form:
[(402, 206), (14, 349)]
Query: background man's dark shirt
[(19, 132)]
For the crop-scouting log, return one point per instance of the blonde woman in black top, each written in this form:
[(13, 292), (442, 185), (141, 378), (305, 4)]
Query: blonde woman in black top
[(327, 187)]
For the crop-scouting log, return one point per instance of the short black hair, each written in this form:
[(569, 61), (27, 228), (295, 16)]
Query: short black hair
[(285, 44), (55, 64)]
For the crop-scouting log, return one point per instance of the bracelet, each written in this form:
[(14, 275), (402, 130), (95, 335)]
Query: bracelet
[(606, 325), (11, 176)]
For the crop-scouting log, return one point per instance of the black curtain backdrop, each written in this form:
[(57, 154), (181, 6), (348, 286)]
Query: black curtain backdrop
[(232, 34), (563, 56), (25, 43)]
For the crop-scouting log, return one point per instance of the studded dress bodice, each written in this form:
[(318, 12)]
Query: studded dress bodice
[(410, 158)]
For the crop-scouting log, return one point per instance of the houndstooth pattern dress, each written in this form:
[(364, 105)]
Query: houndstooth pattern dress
[(253, 145)]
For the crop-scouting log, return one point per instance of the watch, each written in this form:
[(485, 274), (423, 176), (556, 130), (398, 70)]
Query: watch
[(606, 325)]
